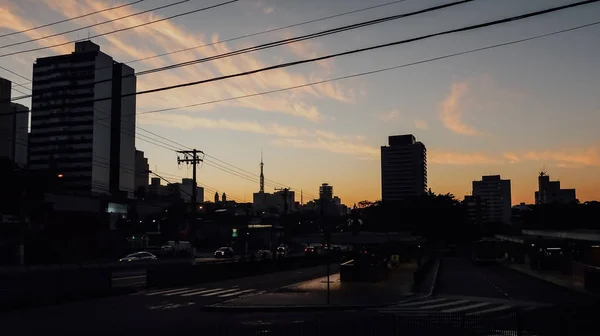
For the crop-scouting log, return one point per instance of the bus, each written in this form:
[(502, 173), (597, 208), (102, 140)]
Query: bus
[(487, 251)]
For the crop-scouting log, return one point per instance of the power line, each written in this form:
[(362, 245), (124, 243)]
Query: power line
[(360, 74), (379, 46), (122, 29), (263, 32), (255, 34), (71, 19), (94, 25), (355, 51), (285, 41), (14, 73)]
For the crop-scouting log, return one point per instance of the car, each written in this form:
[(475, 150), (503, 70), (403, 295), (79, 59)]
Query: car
[(313, 251), (224, 252), (281, 251), (138, 256), (263, 254)]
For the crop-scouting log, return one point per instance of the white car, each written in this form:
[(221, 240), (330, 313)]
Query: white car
[(138, 256)]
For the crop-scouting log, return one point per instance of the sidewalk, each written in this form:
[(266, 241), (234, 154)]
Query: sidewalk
[(554, 277), (313, 294)]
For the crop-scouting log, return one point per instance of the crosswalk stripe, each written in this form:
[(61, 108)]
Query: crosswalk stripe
[(410, 304), (237, 293), (491, 310), (202, 291), (221, 292), (166, 291), (182, 291), (463, 308), (452, 303)]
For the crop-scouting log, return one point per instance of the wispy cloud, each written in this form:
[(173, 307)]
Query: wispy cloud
[(569, 157), (451, 110), (167, 36), (421, 124), (455, 158), (511, 157), (389, 115), (329, 145)]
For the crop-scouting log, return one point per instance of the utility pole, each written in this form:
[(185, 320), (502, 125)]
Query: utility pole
[(191, 156)]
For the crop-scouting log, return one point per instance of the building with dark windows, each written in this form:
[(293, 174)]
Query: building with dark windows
[(142, 174), (14, 124), (81, 127), (403, 168), (326, 192), (495, 193), (550, 191)]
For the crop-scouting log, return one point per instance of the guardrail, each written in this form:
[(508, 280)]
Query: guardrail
[(513, 323)]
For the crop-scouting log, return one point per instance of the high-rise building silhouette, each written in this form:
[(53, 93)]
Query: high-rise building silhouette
[(550, 191), (403, 168), (495, 193), (14, 124), (326, 192), (81, 126)]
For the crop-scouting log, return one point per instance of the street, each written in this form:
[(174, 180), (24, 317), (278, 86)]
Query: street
[(159, 311), (460, 277)]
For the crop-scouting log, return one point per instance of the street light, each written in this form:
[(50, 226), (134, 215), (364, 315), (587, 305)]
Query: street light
[(60, 175)]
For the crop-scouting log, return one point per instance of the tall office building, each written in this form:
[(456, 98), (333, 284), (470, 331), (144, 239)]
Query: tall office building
[(14, 124), (550, 191), (495, 193), (326, 192), (403, 168), (142, 173), (81, 127)]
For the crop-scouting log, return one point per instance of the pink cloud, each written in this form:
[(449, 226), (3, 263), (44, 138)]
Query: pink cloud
[(452, 110)]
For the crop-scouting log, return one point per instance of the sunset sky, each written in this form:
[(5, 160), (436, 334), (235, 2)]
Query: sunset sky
[(508, 111)]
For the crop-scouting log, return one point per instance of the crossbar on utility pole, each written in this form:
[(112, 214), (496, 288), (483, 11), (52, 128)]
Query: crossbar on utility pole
[(191, 156)]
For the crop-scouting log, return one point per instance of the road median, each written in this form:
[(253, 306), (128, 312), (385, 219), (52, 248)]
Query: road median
[(313, 295)]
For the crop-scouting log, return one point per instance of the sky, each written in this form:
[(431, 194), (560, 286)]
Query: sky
[(511, 111)]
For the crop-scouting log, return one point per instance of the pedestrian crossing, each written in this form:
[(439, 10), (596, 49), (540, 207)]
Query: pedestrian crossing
[(456, 305), (187, 292)]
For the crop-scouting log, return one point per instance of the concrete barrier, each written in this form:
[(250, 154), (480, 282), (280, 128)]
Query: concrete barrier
[(177, 275), (421, 273), (50, 286), (351, 272)]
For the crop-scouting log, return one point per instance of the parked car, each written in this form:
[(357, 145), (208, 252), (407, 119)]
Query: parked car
[(263, 254), (138, 256), (312, 251), (224, 252)]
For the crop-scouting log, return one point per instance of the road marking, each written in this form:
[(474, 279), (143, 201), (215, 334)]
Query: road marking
[(181, 291), (416, 303), (202, 291), (476, 305), (444, 304), (220, 292), (491, 310), (237, 293), (131, 277), (166, 291)]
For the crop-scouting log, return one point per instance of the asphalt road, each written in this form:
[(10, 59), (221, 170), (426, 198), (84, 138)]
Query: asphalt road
[(459, 276), (152, 312)]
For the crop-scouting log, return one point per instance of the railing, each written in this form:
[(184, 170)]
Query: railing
[(552, 321)]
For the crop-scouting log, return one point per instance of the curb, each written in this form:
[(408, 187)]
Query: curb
[(436, 280), (262, 309)]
